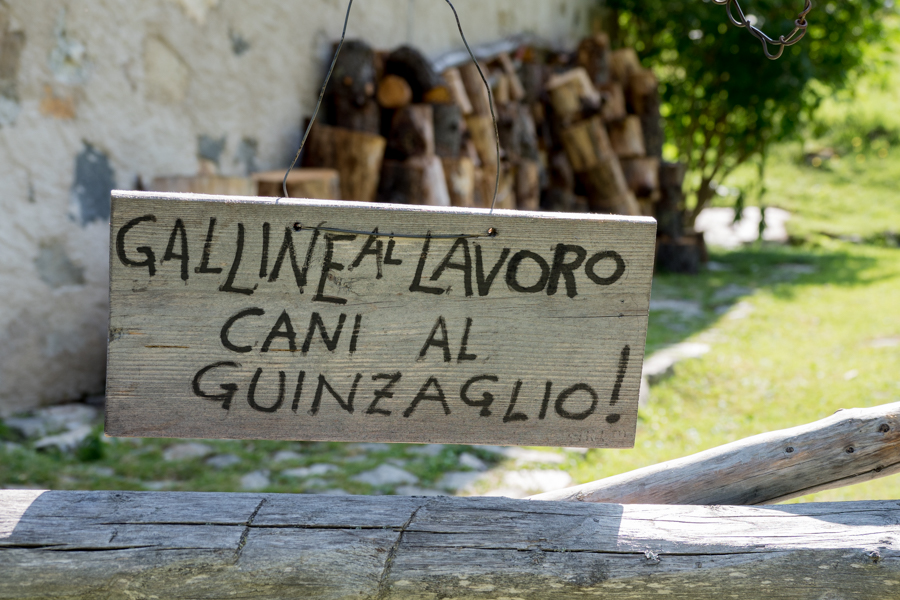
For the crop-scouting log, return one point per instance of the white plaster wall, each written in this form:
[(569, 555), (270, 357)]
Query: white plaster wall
[(138, 81)]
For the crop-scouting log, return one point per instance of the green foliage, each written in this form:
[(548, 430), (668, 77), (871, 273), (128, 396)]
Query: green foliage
[(724, 102)]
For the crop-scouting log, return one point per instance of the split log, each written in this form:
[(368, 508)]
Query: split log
[(460, 176), (593, 55), (412, 132), (516, 89), (418, 180), (851, 446), (322, 184), (624, 63), (475, 90), (614, 107), (645, 102), (448, 130), (255, 546), (458, 91), (411, 65), (684, 254), (486, 182), (627, 137), (483, 136), (357, 156), (438, 95), (500, 88), (642, 175), (205, 184), (351, 92), (394, 92), (528, 184), (518, 134), (532, 81), (590, 152), (572, 94)]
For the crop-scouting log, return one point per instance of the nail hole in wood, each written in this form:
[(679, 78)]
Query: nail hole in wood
[(298, 227), (850, 450), (884, 428), (789, 449)]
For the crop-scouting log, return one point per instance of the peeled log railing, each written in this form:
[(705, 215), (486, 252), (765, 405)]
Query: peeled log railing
[(849, 447), (69, 545)]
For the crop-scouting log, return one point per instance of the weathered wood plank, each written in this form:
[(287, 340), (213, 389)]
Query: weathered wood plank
[(851, 446), (66, 545), (314, 334)]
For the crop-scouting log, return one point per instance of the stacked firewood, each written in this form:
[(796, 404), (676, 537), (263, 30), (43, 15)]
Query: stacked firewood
[(578, 131)]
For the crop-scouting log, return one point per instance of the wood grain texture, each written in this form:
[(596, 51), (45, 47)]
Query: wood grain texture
[(74, 545), (851, 446), (582, 330)]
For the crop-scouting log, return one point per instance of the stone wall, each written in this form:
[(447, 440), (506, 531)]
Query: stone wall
[(99, 94)]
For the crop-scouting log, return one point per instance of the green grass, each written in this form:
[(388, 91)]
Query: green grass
[(788, 363)]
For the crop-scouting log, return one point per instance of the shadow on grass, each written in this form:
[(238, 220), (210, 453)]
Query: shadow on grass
[(683, 305)]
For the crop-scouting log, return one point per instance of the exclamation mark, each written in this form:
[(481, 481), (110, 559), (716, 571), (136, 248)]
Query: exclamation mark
[(620, 377)]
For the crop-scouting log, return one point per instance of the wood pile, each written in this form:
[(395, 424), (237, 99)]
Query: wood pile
[(578, 131)]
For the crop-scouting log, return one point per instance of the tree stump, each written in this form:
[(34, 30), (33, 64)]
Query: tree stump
[(356, 155)]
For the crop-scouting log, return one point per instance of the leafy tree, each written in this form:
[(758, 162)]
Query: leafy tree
[(724, 101)]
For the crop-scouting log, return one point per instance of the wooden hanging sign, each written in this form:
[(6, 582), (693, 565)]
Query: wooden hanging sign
[(257, 318)]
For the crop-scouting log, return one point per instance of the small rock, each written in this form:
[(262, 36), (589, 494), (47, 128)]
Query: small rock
[(472, 462), (791, 270), (315, 482), (255, 481), (661, 364), (310, 471), (356, 459), (687, 309), (223, 461), (186, 451), (103, 471), (458, 480), (537, 481), (286, 455), (506, 492), (66, 442), (730, 292), (386, 475), (717, 267), (427, 450), (372, 447), (409, 490), (525, 456), (68, 416), (644, 392), (28, 427), (333, 492), (156, 486)]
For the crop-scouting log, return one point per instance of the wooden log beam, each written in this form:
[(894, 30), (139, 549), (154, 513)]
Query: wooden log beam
[(68, 545), (851, 446)]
